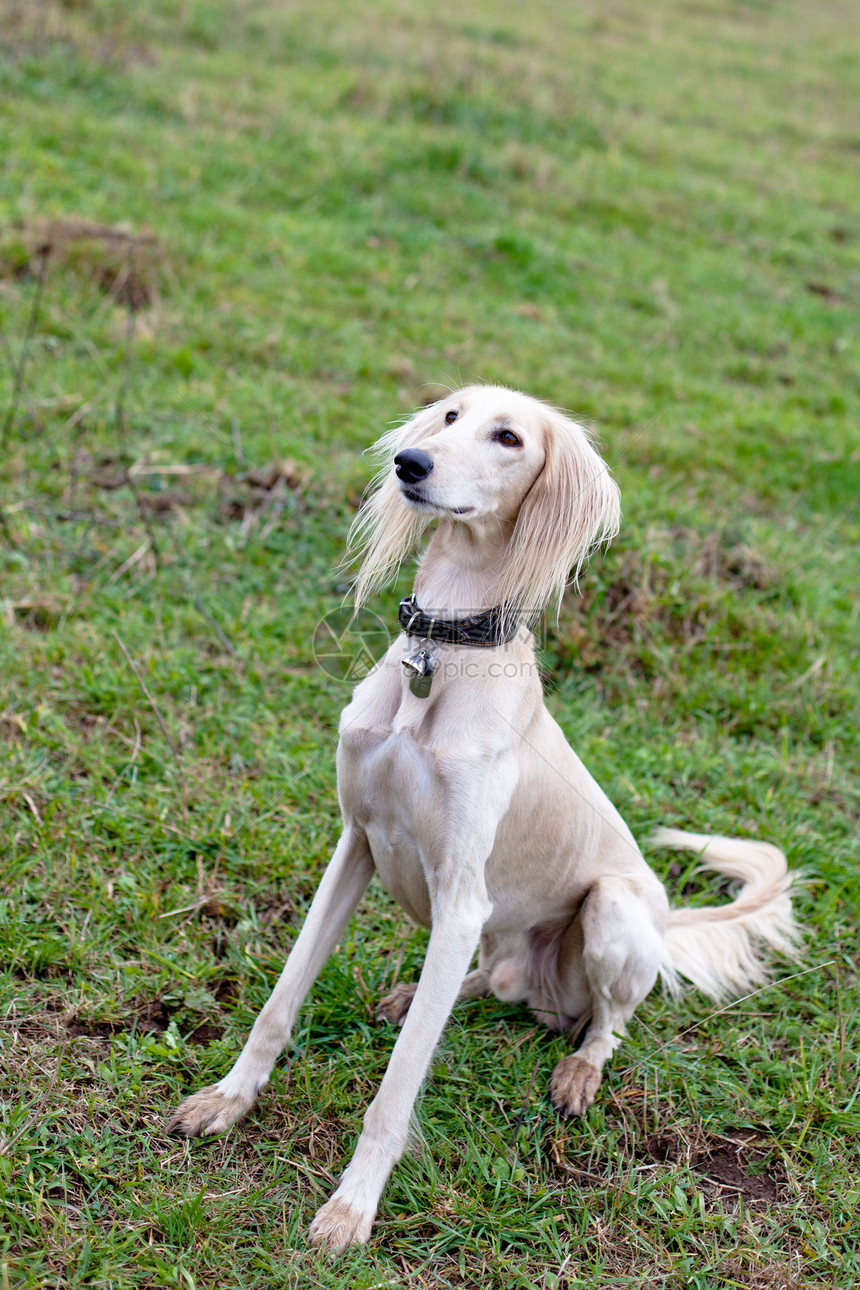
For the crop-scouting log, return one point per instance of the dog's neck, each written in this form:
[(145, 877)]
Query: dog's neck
[(460, 566)]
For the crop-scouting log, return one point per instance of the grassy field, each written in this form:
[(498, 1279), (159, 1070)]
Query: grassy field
[(237, 241)]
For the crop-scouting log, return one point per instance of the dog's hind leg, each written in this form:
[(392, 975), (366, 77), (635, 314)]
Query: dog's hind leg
[(623, 921), (215, 1108), (393, 1007), (501, 971)]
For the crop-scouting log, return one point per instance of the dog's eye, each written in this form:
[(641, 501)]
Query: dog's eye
[(451, 416), (509, 439)]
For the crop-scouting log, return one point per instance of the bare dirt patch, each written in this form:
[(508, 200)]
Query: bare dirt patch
[(260, 489), (152, 1016), (737, 1162)]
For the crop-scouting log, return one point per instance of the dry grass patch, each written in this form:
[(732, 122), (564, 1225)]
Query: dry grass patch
[(125, 265)]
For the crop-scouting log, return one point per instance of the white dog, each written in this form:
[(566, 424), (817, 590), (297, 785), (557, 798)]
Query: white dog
[(460, 791)]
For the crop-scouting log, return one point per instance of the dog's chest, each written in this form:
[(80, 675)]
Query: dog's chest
[(390, 786)]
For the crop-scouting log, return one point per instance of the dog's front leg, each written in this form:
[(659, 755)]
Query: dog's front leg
[(457, 924), (215, 1108)]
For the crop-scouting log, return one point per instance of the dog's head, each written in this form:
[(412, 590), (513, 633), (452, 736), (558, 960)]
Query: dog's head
[(486, 451)]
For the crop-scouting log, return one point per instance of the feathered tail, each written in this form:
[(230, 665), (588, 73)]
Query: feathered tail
[(719, 947)]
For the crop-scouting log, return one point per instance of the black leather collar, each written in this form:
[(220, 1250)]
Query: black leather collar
[(494, 627)]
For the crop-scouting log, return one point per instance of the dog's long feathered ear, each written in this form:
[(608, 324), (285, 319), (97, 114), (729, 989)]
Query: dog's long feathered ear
[(385, 531), (572, 507)]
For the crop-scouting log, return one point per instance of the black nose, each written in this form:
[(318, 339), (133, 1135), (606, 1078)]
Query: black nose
[(412, 465)]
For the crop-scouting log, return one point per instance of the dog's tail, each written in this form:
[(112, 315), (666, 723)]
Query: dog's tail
[(720, 948)]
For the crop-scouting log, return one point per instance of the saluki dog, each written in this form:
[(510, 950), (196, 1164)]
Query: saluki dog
[(460, 791)]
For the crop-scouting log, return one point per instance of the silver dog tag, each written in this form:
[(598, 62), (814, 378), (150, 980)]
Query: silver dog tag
[(421, 665)]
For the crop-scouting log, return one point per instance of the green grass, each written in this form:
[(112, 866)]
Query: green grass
[(273, 229)]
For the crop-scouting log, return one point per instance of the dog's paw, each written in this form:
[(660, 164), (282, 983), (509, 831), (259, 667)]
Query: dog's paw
[(205, 1113), (395, 1006), (574, 1085), (338, 1225)]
